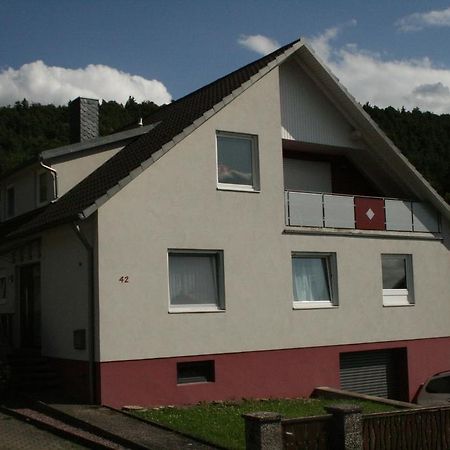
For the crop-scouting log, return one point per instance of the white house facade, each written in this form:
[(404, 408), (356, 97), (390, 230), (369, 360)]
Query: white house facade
[(257, 238)]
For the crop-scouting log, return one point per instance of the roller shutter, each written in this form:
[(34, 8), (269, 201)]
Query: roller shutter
[(374, 373)]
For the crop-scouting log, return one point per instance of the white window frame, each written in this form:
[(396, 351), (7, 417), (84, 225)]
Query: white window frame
[(253, 139), (331, 265), (3, 287), (399, 297), (38, 188), (207, 307), (7, 214)]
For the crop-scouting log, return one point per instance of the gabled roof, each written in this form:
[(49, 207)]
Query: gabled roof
[(171, 123), (179, 117)]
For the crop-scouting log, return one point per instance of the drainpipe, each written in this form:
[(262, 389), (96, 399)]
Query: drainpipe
[(54, 176), (91, 313)]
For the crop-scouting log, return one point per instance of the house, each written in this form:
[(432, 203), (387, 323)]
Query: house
[(258, 237)]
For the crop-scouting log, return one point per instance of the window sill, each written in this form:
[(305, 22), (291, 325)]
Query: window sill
[(397, 304), (238, 188), (314, 305), (190, 383), (194, 309)]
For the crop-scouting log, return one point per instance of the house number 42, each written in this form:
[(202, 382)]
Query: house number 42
[(124, 279)]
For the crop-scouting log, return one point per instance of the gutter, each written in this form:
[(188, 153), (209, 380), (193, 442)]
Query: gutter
[(54, 176), (91, 313)]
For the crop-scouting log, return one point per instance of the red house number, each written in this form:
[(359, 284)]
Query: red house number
[(123, 279)]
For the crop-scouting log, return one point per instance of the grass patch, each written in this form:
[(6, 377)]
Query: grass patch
[(221, 423)]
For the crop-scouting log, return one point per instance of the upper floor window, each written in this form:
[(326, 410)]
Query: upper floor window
[(237, 161), (397, 280), (314, 279), (10, 201), (196, 280), (42, 188)]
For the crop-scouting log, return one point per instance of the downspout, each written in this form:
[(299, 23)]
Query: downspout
[(54, 176), (91, 314)]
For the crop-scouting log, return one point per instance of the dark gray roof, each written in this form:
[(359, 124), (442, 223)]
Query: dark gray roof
[(170, 121), (94, 143)]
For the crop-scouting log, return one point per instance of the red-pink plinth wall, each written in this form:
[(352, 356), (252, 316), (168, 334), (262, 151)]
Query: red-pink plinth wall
[(275, 373)]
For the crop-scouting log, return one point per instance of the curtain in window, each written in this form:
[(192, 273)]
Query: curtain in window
[(193, 279), (310, 277)]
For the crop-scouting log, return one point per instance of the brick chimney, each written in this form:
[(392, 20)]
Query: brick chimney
[(83, 116)]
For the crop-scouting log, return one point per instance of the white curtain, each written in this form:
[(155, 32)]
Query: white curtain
[(193, 279), (310, 277)]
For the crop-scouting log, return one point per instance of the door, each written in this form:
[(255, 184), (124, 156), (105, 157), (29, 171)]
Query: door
[(30, 306)]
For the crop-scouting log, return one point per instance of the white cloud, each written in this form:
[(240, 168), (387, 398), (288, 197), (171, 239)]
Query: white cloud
[(419, 21), (44, 84), (381, 81), (258, 43)]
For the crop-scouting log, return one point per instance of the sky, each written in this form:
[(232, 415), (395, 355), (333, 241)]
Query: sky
[(385, 52)]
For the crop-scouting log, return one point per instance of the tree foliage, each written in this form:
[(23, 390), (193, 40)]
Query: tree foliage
[(26, 128), (423, 137)]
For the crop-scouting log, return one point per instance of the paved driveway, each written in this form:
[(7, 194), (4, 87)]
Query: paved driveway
[(18, 435)]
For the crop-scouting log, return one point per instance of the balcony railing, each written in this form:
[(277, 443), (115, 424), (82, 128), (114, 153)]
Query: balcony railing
[(306, 209)]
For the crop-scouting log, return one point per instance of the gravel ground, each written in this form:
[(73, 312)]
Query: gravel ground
[(17, 435)]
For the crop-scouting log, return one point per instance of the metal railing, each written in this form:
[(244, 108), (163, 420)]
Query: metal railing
[(323, 210)]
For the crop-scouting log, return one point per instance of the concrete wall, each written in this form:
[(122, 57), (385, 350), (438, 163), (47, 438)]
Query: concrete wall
[(25, 186), (65, 292), (71, 170), (175, 204)]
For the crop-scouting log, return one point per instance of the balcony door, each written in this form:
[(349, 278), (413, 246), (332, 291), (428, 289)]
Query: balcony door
[(30, 306)]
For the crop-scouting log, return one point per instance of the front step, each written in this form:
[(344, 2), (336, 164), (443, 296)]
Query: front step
[(31, 372)]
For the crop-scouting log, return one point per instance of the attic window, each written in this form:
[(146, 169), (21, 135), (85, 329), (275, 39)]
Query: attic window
[(42, 188), (10, 201), (237, 161)]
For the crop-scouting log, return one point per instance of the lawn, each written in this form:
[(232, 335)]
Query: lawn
[(221, 423)]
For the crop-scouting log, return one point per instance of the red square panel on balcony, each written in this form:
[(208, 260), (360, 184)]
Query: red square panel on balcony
[(369, 213)]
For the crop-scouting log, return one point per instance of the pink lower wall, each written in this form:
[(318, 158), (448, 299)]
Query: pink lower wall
[(276, 373)]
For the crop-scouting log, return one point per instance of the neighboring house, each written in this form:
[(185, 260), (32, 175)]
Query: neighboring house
[(258, 237)]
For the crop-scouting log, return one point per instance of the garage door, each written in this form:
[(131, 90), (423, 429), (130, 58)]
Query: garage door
[(381, 373)]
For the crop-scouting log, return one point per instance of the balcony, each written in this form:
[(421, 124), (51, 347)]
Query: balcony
[(320, 210)]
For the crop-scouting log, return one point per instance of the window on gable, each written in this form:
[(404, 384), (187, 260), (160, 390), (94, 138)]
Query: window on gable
[(397, 280), (2, 288), (314, 279), (237, 161), (42, 187), (196, 281), (10, 201)]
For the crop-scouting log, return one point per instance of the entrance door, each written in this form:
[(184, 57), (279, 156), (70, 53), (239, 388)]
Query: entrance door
[(30, 306)]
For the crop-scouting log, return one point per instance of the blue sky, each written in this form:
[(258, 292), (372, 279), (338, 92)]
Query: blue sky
[(388, 52)]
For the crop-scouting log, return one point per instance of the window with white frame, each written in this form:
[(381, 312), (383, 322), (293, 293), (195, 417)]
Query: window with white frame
[(237, 161), (10, 201), (314, 280), (397, 280), (42, 187), (196, 280), (3, 291)]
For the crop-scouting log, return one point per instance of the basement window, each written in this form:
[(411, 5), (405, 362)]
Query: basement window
[(195, 372)]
